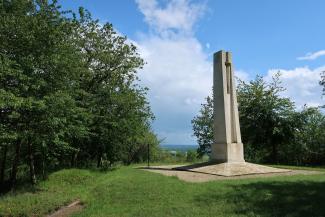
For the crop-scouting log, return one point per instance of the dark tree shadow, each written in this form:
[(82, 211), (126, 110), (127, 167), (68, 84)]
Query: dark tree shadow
[(194, 166), (20, 187), (182, 168), (186, 168), (305, 198), (154, 168)]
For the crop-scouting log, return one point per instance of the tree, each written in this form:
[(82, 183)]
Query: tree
[(68, 91), (203, 127), (268, 121), (120, 112), (309, 143), (39, 65), (191, 156)]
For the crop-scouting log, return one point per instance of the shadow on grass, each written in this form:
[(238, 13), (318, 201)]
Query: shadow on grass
[(186, 168), (305, 198), (20, 188), (182, 168), (194, 166)]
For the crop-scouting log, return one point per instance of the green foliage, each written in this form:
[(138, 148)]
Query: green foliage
[(268, 121), (309, 143), (120, 114), (191, 156), (203, 127), (68, 91), (272, 130), (162, 156), (39, 67)]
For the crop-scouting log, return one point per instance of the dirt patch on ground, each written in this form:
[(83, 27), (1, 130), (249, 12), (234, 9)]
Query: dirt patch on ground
[(192, 176), (66, 211)]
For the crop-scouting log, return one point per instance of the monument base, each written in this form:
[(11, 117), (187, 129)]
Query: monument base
[(227, 152), (229, 169)]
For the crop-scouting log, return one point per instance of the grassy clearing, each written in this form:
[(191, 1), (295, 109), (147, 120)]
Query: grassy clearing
[(132, 192)]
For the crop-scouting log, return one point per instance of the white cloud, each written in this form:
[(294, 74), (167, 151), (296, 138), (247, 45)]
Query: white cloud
[(176, 68), (302, 85), (178, 72), (179, 77), (242, 75), (312, 56), (178, 16)]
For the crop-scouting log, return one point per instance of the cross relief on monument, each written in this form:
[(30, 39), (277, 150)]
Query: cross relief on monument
[(228, 72)]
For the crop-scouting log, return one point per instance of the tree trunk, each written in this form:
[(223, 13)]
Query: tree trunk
[(3, 164), (43, 164), (31, 164), (13, 178), (275, 153), (99, 160), (74, 158)]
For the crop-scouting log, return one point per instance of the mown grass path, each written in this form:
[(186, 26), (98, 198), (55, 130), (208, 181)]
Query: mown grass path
[(132, 192)]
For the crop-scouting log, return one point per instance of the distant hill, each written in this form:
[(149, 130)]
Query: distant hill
[(182, 148)]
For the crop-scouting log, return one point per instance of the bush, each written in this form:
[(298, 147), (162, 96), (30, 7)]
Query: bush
[(191, 156)]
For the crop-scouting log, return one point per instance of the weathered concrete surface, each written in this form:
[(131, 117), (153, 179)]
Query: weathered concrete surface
[(192, 176), (227, 146), (232, 169)]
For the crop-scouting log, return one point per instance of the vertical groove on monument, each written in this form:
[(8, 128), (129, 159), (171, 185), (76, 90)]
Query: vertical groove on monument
[(227, 145)]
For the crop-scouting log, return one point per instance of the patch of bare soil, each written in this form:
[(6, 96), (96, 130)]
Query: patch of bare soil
[(66, 211), (193, 176)]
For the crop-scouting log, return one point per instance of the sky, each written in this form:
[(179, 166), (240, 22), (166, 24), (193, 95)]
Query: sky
[(177, 39)]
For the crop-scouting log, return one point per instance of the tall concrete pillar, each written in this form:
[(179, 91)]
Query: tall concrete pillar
[(227, 146)]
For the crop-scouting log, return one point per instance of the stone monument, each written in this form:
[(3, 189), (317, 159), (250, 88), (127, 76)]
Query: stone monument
[(227, 146), (227, 152)]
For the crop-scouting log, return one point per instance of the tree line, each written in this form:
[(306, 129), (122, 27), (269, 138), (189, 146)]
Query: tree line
[(273, 130), (69, 92)]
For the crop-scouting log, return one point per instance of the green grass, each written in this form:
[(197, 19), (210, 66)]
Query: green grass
[(311, 168), (61, 188), (132, 192)]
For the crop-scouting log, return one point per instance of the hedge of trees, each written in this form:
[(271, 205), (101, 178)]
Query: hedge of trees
[(273, 130), (68, 92)]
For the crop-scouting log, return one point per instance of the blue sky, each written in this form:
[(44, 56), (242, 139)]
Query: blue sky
[(178, 37)]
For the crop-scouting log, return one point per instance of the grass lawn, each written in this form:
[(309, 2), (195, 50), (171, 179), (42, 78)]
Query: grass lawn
[(132, 192)]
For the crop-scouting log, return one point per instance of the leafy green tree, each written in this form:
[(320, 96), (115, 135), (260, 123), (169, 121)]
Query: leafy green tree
[(268, 121), (39, 64), (120, 112), (203, 127), (137, 151), (191, 156), (69, 91), (309, 144)]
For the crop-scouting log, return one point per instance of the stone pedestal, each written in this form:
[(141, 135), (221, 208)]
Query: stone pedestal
[(227, 145)]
